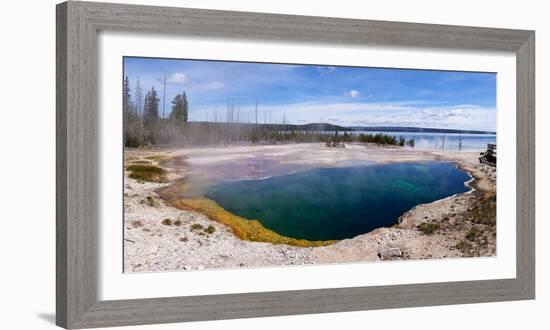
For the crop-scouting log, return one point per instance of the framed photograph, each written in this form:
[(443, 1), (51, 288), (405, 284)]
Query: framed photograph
[(216, 164)]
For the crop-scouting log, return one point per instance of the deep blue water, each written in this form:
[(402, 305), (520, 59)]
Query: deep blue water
[(338, 203)]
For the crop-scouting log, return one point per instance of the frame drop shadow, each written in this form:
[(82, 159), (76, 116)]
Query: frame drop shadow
[(48, 317)]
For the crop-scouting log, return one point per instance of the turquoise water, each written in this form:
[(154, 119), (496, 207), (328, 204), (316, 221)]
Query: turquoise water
[(339, 203)]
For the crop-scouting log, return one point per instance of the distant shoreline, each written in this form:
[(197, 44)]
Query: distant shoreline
[(326, 127), (397, 129)]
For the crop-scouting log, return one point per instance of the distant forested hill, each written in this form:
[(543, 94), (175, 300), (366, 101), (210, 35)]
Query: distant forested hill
[(326, 127), (317, 127)]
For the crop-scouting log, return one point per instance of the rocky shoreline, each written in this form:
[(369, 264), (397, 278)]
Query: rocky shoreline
[(160, 237)]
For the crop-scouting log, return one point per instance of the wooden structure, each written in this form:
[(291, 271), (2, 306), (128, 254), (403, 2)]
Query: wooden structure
[(489, 157)]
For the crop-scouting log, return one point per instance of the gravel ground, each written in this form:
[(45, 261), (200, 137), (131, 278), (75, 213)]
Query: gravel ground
[(159, 237)]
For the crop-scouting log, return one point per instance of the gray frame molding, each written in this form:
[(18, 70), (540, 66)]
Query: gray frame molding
[(77, 189)]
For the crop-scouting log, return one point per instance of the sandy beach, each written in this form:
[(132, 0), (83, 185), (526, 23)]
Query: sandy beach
[(161, 237)]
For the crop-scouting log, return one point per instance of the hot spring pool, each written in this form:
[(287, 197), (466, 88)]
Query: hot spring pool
[(339, 203)]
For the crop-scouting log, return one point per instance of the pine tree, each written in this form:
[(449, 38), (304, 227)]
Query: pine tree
[(151, 108), (185, 108), (129, 140), (126, 96), (179, 109), (401, 141), (134, 131)]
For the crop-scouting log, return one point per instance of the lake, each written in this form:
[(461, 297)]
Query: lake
[(339, 203), (444, 141)]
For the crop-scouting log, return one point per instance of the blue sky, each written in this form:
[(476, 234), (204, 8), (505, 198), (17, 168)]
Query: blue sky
[(347, 96)]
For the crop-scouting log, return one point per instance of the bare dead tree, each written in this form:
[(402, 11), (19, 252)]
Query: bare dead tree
[(164, 96), (139, 98), (256, 111)]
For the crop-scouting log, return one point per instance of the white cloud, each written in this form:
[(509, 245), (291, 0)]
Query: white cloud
[(402, 113), (212, 86), (283, 67), (178, 78), (198, 88), (323, 70), (353, 93)]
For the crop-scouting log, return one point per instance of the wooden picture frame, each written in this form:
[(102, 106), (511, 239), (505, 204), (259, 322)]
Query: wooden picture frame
[(78, 24)]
